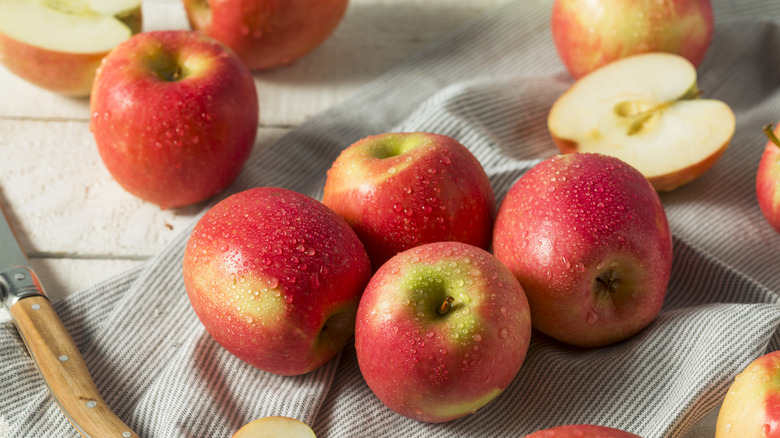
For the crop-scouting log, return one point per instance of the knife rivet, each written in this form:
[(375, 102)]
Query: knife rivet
[(126, 434), (63, 358), (20, 276), (91, 404), (35, 306)]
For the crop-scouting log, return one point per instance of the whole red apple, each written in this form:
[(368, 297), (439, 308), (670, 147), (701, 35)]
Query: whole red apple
[(275, 277), (768, 179), (58, 45), (174, 114), (400, 190), (588, 239), (582, 431), (267, 33), (442, 329), (591, 33), (752, 406)]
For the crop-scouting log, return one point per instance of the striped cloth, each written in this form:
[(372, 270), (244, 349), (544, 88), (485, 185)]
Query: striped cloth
[(490, 85)]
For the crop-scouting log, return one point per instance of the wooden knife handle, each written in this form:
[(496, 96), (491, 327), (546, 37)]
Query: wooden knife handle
[(64, 370)]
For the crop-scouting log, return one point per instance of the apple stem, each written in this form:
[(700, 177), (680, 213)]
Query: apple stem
[(771, 135), (445, 306)]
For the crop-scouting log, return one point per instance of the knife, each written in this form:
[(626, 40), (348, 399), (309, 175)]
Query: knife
[(51, 347)]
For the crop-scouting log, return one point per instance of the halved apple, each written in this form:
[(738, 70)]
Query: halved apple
[(275, 427), (58, 44), (645, 110)]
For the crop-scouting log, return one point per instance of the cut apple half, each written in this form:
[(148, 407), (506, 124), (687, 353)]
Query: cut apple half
[(645, 110), (275, 427), (58, 44)]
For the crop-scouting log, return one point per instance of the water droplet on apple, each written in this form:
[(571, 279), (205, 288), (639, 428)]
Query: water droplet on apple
[(288, 298), (477, 338), (550, 189), (566, 263), (406, 302), (503, 333), (392, 170), (600, 204), (224, 247), (503, 310), (592, 317), (766, 429), (249, 320), (273, 282), (443, 351)]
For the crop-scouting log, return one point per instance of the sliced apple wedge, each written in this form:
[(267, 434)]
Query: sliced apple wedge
[(275, 427), (645, 110), (58, 44)]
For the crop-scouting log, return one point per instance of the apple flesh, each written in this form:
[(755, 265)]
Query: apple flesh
[(591, 33), (58, 44), (442, 329), (401, 190), (768, 179), (275, 277), (174, 115), (646, 111), (588, 239), (751, 408), (275, 427), (267, 33), (582, 431)]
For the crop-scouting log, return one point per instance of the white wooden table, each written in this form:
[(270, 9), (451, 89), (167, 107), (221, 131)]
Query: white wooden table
[(79, 227)]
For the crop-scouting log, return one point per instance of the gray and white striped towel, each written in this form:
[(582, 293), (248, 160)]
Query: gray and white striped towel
[(490, 85)]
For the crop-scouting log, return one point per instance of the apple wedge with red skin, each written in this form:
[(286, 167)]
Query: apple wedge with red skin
[(587, 237), (768, 179), (751, 408), (442, 329), (591, 33), (401, 190), (267, 33), (647, 111), (174, 116), (275, 277), (58, 45), (582, 431)]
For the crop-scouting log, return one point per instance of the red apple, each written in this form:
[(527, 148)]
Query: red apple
[(267, 33), (768, 179), (400, 190), (442, 329), (58, 45), (591, 33), (588, 239), (582, 431), (174, 114), (275, 277), (752, 406)]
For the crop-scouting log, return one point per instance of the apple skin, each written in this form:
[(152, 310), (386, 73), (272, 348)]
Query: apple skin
[(589, 34), (768, 180), (267, 33), (437, 368), (587, 237), (752, 406), (401, 190), (582, 431), (275, 277), (174, 116), (70, 74)]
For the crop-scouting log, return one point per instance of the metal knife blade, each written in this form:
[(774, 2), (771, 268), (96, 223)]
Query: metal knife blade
[(51, 347)]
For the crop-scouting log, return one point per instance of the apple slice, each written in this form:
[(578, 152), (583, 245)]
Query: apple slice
[(58, 44), (275, 427), (645, 110)]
